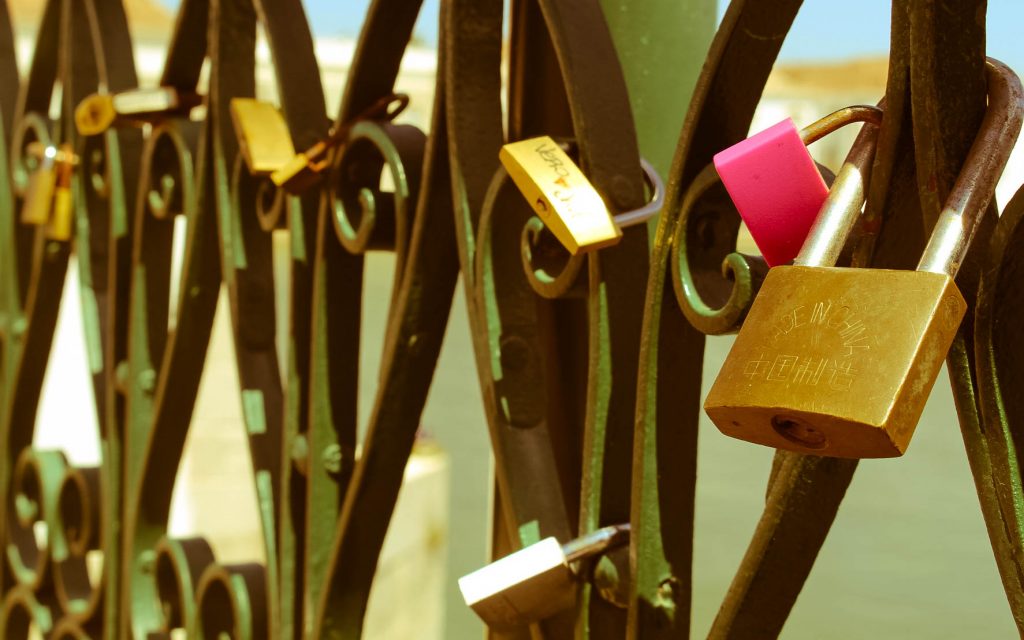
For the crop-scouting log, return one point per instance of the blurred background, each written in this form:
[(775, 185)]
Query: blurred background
[(908, 555)]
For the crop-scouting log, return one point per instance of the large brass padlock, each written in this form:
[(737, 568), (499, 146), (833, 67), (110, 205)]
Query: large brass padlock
[(537, 581), (840, 361)]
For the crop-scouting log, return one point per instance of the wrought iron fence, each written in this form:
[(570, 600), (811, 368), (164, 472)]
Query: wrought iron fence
[(590, 365)]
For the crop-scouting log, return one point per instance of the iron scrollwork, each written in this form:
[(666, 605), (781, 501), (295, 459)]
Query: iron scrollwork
[(590, 373)]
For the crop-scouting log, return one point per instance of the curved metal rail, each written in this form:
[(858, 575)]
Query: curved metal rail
[(590, 365)]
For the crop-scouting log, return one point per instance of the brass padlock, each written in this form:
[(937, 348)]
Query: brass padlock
[(263, 137), (839, 361), (48, 198), (63, 203), (566, 201), (537, 581), (303, 170), (42, 182), (266, 145), (100, 111)]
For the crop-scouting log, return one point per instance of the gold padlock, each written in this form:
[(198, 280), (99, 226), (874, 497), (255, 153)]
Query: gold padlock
[(563, 198), (839, 361), (48, 200), (266, 145), (63, 203), (263, 136), (35, 208), (537, 581), (566, 201), (303, 170), (100, 111)]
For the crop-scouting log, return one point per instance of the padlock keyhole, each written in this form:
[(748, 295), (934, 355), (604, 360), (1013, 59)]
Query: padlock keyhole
[(799, 432)]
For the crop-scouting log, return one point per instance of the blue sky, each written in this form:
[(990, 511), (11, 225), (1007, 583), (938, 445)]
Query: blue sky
[(823, 29)]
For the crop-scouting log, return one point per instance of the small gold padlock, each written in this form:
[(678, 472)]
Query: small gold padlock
[(566, 201), (303, 170), (100, 111), (263, 136), (266, 144), (562, 197), (840, 361), (48, 198), (63, 203), (306, 169), (35, 208), (537, 581)]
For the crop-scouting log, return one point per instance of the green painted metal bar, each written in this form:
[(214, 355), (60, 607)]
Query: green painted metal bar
[(661, 47)]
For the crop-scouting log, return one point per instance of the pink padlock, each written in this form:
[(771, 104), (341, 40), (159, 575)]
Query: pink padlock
[(775, 184)]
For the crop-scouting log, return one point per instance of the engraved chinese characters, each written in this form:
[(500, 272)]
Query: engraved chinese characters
[(824, 321)]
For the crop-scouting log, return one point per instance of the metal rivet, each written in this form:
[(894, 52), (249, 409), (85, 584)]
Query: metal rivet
[(147, 380), (668, 592), (18, 327), (300, 454), (121, 373), (332, 459)]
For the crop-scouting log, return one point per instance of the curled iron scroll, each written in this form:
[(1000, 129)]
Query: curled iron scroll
[(714, 284), (232, 603), (364, 216), (170, 351), (714, 303), (551, 271), (70, 54)]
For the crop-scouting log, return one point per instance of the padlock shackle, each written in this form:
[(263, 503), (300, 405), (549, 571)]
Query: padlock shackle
[(386, 108), (838, 215), (976, 184), (633, 217), (839, 119), (653, 206), (596, 542), (654, 182)]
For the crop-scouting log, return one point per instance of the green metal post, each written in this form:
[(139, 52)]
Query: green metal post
[(661, 45)]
